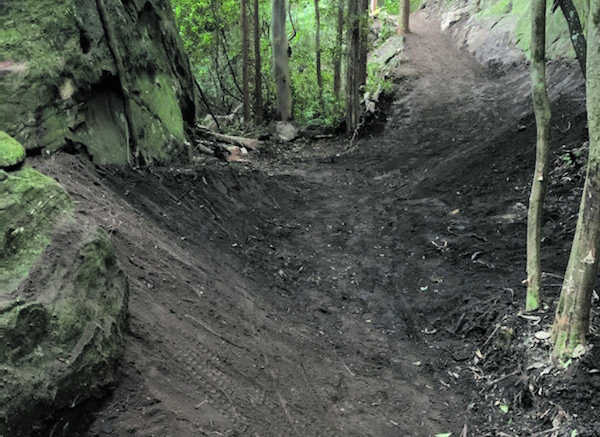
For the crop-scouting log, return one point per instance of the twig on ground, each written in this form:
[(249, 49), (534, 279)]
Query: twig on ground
[(212, 331), (347, 368)]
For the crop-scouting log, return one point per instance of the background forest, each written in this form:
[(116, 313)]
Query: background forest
[(315, 31)]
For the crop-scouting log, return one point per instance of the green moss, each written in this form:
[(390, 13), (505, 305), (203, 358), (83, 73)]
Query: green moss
[(31, 204), (55, 128), (105, 130), (91, 274), (11, 151), (59, 342), (158, 117), (38, 40), (21, 331)]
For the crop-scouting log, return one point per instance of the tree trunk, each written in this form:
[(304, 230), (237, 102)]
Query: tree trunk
[(574, 23), (258, 97), (541, 106), (404, 13), (318, 49), (571, 323), (280, 60), (245, 61), (373, 8), (337, 56), (356, 71)]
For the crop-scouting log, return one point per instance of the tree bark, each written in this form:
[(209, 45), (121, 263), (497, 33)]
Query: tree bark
[(258, 97), (572, 320), (373, 7), (541, 106), (337, 56), (404, 14), (574, 23), (318, 49), (245, 61), (356, 71), (281, 70)]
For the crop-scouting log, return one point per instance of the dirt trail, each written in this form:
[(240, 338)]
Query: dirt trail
[(322, 289)]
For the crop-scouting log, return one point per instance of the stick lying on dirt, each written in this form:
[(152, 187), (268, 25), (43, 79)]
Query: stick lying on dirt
[(248, 143)]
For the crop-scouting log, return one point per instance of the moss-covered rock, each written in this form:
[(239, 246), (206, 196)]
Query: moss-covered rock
[(113, 79), (63, 306), (30, 205), (12, 153)]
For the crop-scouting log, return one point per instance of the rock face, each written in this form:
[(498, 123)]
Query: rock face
[(109, 76), (63, 306), (498, 33)]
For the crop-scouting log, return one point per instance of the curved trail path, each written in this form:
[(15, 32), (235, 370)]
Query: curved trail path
[(320, 290)]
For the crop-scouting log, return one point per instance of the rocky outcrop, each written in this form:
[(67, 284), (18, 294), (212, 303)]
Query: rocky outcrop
[(107, 76), (498, 33), (63, 306)]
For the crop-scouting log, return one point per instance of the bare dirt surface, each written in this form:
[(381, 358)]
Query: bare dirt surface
[(370, 288)]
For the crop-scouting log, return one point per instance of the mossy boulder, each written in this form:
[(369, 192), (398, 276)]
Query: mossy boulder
[(30, 206), (63, 306), (107, 76), (12, 153)]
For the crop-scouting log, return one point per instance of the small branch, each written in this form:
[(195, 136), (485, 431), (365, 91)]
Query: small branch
[(347, 368), (213, 332), (248, 143)]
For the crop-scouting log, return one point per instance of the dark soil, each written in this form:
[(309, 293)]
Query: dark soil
[(372, 288)]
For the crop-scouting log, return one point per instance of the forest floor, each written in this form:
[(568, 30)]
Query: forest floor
[(365, 288)]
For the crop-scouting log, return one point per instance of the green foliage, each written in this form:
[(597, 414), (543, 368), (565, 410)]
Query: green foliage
[(309, 106), (211, 34), (392, 6)]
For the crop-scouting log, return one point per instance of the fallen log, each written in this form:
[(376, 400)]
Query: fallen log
[(248, 143)]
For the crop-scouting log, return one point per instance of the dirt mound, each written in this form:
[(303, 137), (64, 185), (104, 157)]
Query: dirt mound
[(354, 289)]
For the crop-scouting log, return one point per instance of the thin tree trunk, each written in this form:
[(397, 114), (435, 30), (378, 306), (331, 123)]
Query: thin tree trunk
[(318, 49), (280, 60), (541, 106), (258, 97), (356, 70), (574, 23), (217, 47), (572, 320), (337, 56), (229, 63), (373, 7), (245, 61), (404, 10)]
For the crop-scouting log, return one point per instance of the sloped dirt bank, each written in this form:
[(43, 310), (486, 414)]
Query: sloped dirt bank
[(349, 289)]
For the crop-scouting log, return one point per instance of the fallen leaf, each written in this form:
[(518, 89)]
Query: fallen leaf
[(578, 351), (542, 335)]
